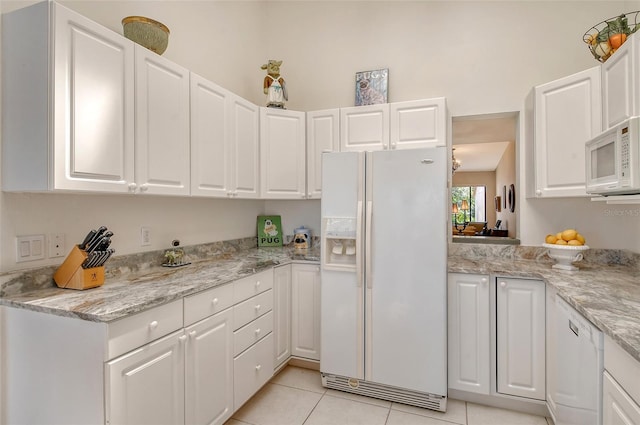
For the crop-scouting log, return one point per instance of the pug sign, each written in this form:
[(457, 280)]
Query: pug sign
[(269, 230)]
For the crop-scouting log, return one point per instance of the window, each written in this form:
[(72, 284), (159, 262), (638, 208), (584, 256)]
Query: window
[(475, 197)]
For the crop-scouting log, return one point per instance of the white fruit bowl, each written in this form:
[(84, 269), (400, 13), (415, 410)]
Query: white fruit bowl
[(565, 255)]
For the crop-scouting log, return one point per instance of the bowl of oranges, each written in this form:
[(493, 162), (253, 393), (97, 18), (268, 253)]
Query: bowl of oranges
[(565, 247)]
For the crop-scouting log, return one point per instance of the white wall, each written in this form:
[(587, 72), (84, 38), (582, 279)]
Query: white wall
[(482, 56)]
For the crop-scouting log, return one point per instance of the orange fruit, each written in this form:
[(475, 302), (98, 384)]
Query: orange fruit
[(561, 242), (550, 239), (580, 238), (574, 242), (569, 234)]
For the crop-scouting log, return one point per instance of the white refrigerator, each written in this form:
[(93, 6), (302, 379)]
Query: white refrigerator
[(384, 259)]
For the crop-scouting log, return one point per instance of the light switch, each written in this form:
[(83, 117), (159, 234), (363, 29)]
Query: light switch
[(25, 249), (29, 248)]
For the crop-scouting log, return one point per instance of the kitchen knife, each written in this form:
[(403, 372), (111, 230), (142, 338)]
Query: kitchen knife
[(104, 245), (87, 264), (104, 257), (93, 246), (96, 237), (87, 239)]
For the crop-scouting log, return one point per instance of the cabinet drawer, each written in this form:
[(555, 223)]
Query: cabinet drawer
[(249, 334), (251, 370), (139, 329), (207, 303), (252, 308), (253, 285)]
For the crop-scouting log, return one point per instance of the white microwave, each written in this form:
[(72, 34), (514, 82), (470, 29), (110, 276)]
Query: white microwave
[(613, 160)]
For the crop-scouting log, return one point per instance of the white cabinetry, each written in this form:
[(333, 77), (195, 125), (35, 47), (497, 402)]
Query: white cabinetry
[(224, 142), (520, 319), (162, 125), (469, 332), (282, 154), (551, 341), (619, 84), (68, 103), (364, 128), (147, 384), (305, 311), (323, 135), (281, 314), (567, 113), (418, 124), (621, 386)]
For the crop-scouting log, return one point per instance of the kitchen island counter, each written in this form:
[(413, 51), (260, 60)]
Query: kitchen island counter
[(607, 295)]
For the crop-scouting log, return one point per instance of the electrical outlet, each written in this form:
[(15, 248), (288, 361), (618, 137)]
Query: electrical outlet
[(57, 247), (145, 236), (29, 248)]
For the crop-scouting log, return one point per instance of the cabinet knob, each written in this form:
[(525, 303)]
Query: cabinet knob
[(257, 284), (132, 187), (318, 269), (503, 284), (192, 334), (153, 325), (394, 145), (258, 331), (538, 192), (484, 280), (258, 307), (144, 187), (182, 339), (214, 301), (258, 367), (229, 194)]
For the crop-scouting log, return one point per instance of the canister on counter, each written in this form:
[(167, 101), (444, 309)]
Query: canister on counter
[(302, 238)]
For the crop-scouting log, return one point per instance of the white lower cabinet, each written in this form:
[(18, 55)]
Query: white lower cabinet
[(469, 332), (618, 408), (305, 311), (621, 386), (281, 314), (496, 335), (209, 370), (520, 323), (147, 384), (252, 369)]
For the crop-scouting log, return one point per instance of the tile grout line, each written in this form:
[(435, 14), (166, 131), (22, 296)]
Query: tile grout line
[(314, 408)]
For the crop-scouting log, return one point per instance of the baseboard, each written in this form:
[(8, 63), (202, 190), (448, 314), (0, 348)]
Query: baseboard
[(533, 407), (304, 363)]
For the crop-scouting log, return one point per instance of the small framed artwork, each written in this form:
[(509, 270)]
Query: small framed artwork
[(269, 230), (498, 203), (372, 87)]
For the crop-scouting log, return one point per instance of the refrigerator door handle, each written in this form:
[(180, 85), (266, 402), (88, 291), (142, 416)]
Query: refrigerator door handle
[(369, 244), (359, 245)]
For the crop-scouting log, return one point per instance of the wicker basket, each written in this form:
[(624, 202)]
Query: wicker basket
[(148, 33), (607, 36)]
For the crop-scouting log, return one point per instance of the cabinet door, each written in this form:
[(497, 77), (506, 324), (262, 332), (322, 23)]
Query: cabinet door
[(209, 370), (469, 332), (364, 128), (210, 138), (567, 114), (520, 318), (323, 135), (146, 385), (418, 124), (245, 148), (305, 311), (617, 407), (251, 370), (282, 154), (162, 125), (551, 357), (282, 314), (618, 85), (93, 106)]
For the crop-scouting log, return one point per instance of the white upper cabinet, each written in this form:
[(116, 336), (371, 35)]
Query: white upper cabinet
[(282, 154), (567, 113), (323, 135), (245, 148), (162, 125), (418, 124), (364, 128), (68, 103), (210, 138), (619, 85)]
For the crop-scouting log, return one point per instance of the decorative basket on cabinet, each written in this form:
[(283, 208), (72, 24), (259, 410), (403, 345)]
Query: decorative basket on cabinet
[(607, 36)]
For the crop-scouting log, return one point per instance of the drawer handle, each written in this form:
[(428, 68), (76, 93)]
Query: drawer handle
[(258, 331), (215, 301), (153, 325), (258, 367), (258, 307)]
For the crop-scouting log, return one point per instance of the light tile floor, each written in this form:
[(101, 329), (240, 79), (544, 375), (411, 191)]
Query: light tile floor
[(296, 397)]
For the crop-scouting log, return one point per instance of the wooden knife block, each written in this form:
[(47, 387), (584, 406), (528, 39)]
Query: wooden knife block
[(71, 275)]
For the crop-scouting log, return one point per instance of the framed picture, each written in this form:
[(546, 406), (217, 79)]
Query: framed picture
[(269, 230), (497, 201), (371, 87)]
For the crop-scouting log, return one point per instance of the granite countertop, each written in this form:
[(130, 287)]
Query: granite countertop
[(606, 289), (128, 291), (607, 295)]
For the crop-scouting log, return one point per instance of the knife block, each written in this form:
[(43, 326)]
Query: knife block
[(71, 275)]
